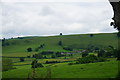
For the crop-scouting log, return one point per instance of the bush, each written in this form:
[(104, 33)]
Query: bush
[(67, 48), (38, 56), (39, 65), (90, 59), (29, 49), (101, 59), (91, 35), (35, 64), (71, 63), (22, 59), (47, 52), (53, 56), (49, 62), (60, 43)]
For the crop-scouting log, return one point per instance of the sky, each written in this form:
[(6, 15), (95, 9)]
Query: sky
[(49, 18)]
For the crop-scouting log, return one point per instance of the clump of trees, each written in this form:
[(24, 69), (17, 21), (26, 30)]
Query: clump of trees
[(90, 59), (49, 62), (118, 34), (68, 48), (91, 35), (29, 49), (22, 59), (39, 47), (38, 56), (46, 52), (35, 64), (60, 43), (5, 42)]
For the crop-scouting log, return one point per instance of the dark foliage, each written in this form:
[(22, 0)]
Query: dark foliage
[(84, 54), (58, 54), (49, 62), (35, 64), (90, 59), (60, 43), (38, 56), (71, 63), (91, 35), (39, 65), (39, 47), (36, 49), (22, 59), (53, 56), (68, 48), (60, 34), (44, 57), (29, 49), (101, 53), (28, 56), (118, 34), (47, 52), (20, 38)]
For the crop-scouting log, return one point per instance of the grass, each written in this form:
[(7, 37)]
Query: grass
[(18, 47), (63, 70)]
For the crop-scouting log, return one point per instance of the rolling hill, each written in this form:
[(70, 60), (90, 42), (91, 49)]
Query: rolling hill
[(18, 46)]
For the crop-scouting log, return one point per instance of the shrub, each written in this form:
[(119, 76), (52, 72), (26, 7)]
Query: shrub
[(36, 49), (71, 63), (29, 49), (90, 59), (22, 59), (68, 48), (60, 43), (49, 62), (47, 52), (101, 59), (39, 65), (91, 35), (35, 64), (53, 56)]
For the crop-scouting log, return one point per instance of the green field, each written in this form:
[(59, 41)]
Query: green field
[(91, 70), (18, 48)]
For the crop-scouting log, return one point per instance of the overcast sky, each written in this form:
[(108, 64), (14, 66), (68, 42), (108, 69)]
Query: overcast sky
[(51, 18)]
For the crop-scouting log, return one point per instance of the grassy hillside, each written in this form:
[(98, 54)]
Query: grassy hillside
[(18, 46), (91, 70)]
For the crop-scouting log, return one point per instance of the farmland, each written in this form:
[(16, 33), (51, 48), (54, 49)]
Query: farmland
[(64, 65)]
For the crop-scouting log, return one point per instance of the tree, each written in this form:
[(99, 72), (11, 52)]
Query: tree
[(44, 57), (101, 53), (35, 64), (29, 49), (60, 43), (60, 34), (91, 35), (53, 56), (22, 59), (118, 34), (36, 49)]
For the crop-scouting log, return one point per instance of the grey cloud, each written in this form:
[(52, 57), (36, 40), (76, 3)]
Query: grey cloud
[(46, 19)]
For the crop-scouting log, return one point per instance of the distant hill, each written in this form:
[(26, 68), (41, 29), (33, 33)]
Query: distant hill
[(19, 45)]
